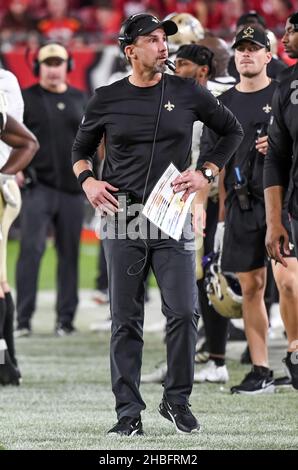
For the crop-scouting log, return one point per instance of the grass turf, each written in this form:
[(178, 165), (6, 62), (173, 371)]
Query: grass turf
[(47, 275), (65, 402), (88, 265)]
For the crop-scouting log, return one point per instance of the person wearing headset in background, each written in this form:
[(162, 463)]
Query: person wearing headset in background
[(147, 120), (53, 111), (24, 146)]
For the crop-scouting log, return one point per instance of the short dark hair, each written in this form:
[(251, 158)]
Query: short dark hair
[(293, 19), (196, 53)]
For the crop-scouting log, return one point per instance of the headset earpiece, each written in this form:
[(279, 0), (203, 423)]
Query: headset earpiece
[(70, 63), (124, 38), (35, 69)]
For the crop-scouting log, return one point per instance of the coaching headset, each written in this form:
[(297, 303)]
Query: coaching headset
[(124, 38), (129, 30), (52, 50)]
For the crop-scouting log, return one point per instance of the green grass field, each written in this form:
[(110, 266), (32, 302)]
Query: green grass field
[(65, 401), (88, 264)]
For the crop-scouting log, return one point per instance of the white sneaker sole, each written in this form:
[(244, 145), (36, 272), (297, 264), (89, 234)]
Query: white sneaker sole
[(116, 434), (269, 389), (201, 381)]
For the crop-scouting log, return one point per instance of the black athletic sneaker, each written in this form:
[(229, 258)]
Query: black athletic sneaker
[(180, 415), (65, 330), (255, 383), (9, 374), (292, 368), (128, 426)]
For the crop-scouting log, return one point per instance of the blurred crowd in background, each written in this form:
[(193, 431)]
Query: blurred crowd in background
[(87, 22)]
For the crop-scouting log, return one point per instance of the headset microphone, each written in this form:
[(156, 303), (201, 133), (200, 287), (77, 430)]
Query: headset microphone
[(171, 65)]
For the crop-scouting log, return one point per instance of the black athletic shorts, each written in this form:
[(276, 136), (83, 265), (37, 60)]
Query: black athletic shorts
[(244, 239)]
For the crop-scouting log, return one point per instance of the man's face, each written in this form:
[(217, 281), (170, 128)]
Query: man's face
[(290, 40), (151, 51), (250, 59), (53, 72), (187, 69)]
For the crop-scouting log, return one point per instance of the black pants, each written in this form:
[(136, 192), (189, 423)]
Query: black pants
[(101, 282), (42, 207), (174, 268)]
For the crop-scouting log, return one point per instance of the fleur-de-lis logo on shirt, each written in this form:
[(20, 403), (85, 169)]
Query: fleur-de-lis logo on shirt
[(267, 109), (169, 106)]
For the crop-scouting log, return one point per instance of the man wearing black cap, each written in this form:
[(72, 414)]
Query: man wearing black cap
[(194, 61), (215, 55), (281, 182), (147, 120), (275, 66), (242, 201)]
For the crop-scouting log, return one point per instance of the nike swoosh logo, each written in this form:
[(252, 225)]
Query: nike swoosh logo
[(264, 384)]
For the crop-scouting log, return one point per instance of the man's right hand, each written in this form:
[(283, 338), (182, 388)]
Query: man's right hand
[(99, 195), (276, 238)]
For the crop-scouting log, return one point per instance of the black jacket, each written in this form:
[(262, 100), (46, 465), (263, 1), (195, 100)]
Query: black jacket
[(281, 162)]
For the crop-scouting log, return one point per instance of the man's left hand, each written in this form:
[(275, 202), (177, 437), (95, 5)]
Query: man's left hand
[(190, 181)]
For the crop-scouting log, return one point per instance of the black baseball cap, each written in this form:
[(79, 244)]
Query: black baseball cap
[(142, 24), (251, 17), (200, 55), (252, 34)]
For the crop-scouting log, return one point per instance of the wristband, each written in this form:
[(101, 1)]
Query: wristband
[(84, 175)]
